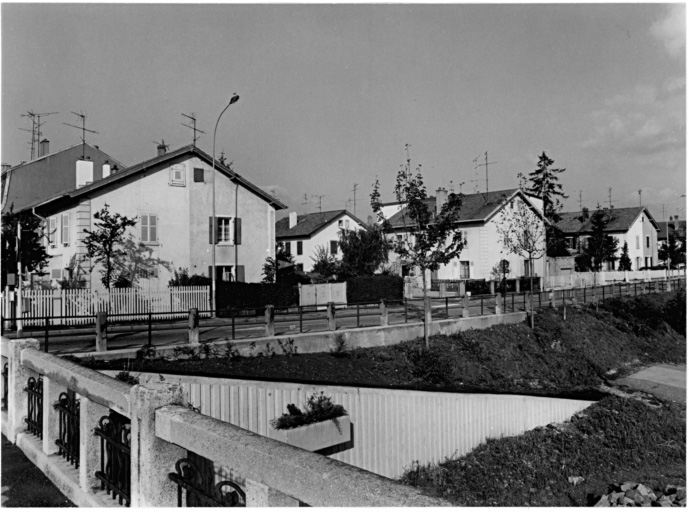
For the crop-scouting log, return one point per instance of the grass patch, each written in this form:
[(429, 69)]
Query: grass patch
[(615, 440)]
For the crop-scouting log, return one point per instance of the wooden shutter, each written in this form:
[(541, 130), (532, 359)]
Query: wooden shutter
[(240, 273), (65, 228), (238, 231), (51, 230), (144, 227), (152, 228)]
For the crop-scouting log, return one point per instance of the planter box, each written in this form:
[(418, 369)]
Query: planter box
[(317, 435)]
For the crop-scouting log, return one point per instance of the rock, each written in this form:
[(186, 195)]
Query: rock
[(575, 480), (616, 496), (628, 502), (670, 489), (627, 485), (681, 493), (602, 502), (645, 491)]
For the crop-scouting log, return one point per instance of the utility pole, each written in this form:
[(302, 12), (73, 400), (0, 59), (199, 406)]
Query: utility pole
[(20, 305), (639, 197), (354, 190), (610, 197), (83, 132), (484, 164), (192, 116), (581, 206)]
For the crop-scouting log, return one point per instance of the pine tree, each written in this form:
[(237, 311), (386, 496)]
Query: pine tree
[(600, 247), (625, 263), (34, 257), (545, 185)]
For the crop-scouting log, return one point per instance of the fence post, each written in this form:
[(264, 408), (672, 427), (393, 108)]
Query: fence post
[(383, 313), (517, 285), (462, 288), (270, 320), (551, 299), (17, 399), (492, 287), (498, 306), (90, 414), (330, 309), (301, 319), (194, 326), (51, 421), (151, 457), (101, 331), (465, 309), (443, 289), (574, 296)]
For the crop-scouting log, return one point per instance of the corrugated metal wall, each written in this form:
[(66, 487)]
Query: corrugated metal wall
[(391, 428)]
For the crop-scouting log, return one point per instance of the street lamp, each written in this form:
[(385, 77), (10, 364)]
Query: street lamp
[(214, 234)]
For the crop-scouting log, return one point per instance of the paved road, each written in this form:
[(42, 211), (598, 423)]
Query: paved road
[(666, 381)]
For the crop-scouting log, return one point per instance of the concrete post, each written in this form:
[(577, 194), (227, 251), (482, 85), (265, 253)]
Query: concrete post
[(492, 287), (551, 299), (573, 293), (17, 398), (498, 306), (465, 309), (90, 414), (383, 313), (51, 417), (194, 326), (152, 458), (260, 495), (270, 320), (331, 316), (462, 288), (101, 331), (443, 289), (517, 283)]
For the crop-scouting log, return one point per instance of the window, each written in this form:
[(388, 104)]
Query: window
[(339, 223), (648, 242), (527, 268), (464, 270), (225, 230), (149, 228), (638, 242), (65, 228), (333, 246), (300, 248), (178, 175), (642, 218), (288, 248), (465, 237), (198, 175), (52, 228), (346, 224)]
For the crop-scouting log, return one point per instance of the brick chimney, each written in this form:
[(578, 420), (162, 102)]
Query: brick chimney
[(43, 148), (106, 169), (440, 199), (162, 149), (292, 219)]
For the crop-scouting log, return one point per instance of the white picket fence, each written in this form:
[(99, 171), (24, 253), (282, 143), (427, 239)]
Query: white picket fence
[(132, 303), (582, 279)]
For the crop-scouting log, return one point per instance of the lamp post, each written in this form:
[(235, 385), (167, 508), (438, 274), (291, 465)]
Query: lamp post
[(214, 224)]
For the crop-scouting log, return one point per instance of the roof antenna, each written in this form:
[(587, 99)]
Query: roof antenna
[(83, 132), (192, 116)]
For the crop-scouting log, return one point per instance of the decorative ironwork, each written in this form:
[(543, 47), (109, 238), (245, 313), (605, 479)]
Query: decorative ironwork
[(34, 417), (114, 431), (68, 442), (201, 490), (5, 385)]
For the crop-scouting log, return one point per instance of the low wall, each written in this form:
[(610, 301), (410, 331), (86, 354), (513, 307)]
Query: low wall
[(363, 337), (390, 428)]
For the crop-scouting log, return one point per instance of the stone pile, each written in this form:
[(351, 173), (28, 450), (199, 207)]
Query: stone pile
[(631, 494)]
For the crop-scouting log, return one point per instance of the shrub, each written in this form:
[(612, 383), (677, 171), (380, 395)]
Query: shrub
[(429, 365), (254, 295), (340, 347), (675, 312), (126, 377), (375, 288), (317, 408)]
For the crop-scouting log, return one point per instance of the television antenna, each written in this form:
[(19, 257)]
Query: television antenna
[(354, 190), (83, 131), (483, 164), (320, 202), (192, 116), (36, 128)]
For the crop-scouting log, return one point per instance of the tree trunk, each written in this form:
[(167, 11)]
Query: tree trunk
[(425, 306)]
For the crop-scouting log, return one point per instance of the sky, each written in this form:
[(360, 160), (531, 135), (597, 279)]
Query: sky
[(331, 94)]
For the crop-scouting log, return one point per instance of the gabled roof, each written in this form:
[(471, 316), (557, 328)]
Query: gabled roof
[(309, 224), (667, 227), (621, 220), (479, 207), (160, 159)]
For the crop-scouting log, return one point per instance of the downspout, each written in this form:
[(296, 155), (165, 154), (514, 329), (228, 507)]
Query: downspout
[(236, 246)]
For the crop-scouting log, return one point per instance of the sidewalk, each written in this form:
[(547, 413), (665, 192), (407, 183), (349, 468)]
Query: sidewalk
[(23, 484), (666, 381)]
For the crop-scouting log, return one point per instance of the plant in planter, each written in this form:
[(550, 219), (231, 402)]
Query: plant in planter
[(322, 424)]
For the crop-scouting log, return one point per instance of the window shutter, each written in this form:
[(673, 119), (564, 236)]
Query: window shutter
[(240, 273), (153, 228), (51, 231), (238, 231), (144, 227), (65, 228)]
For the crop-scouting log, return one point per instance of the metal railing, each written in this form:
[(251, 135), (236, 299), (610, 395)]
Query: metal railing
[(34, 413), (114, 431), (68, 418), (196, 487), (5, 387)]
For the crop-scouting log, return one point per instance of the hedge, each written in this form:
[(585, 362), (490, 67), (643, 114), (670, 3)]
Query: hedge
[(375, 288), (255, 295)]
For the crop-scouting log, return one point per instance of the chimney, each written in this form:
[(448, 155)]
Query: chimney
[(106, 169), (162, 149), (585, 213), (114, 169), (440, 199), (84, 172), (292, 219), (43, 148)]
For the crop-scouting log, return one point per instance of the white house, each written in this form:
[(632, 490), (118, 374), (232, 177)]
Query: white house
[(479, 219), (634, 225), (301, 235), (171, 197)]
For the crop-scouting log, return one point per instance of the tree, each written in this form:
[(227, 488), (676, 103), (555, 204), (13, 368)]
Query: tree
[(599, 246), (522, 232), (500, 271), (75, 274), (272, 266), (103, 244), (363, 251), (429, 239), (324, 263), (625, 262), (672, 249), (182, 278), (544, 183), (135, 261), (33, 254)]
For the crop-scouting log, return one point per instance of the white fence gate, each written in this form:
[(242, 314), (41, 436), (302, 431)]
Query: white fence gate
[(321, 294), (133, 303)]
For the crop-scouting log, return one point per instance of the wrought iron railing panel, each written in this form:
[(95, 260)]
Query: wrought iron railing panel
[(34, 416), (5, 385), (68, 417), (114, 431), (195, 475)]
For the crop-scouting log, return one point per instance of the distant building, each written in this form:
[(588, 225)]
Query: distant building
[(301, 235), (171, 197), (30, 183), (634, 225)]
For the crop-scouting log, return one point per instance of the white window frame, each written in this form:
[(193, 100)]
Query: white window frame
[(462, 266), (146, 225), (224, 222), (65, 229), (178, 180)]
